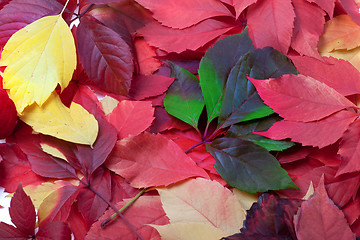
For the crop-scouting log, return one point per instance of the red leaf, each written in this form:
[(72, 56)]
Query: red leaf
[(105, 56), (22, 212), (164, 121), (120, 189), (54, 231), (306, 33), (271, 23), (145, 56), (352, 9), (350, 150), (183, 14), (151, 160), (15, 168), (149, 86), (90, 205), (10, 232), (331, 72), (319, 218), (131, 117), (77, 222), (192, 38), (56, 206), (300, 98), (241, 5), (315, 133), (8, 115), (327, 5), (146, 210)]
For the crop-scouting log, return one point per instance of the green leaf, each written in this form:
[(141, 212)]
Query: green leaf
[(244, 130), (247, 166), (241, 102), (215, 67), (184, 99)]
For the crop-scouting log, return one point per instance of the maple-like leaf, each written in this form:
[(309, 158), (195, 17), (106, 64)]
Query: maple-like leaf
[(45, 56), (320, 218), (110, 67), (8, 115), (73, 124), (131, 117), (202, 201), (146, 210), (149, 160), (270, 218), (278, 17), (186, 13)]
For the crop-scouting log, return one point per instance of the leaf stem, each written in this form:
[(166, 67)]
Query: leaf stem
[(123, 208), (117, 211), (194, 146), (64, 7)]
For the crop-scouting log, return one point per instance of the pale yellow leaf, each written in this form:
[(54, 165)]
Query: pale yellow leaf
[(189, 231), (54, 118), (246, 199), (353, 56), (340, 33), (38, 57), (309, 192), (108, 104), (52, 151), (203, 201)]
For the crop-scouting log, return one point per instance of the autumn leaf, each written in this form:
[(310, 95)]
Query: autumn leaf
[(310, 221), (73, 124), (200, 201), (149, 160), (38, 57), (8, 115)]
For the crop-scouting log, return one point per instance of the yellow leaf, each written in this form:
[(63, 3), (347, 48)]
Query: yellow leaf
[(246, 199), (203, 201), (353, 56), (38, 57), (189, 231), (53, 151), (55, 119)]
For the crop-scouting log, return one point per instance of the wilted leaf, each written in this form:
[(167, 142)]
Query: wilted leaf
[(184, 98), (72, 124), (38, 57), (149, 160), (247, 166)]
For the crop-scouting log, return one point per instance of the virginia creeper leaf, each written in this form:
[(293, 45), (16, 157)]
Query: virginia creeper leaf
[(331, 72), (306, 34), (105, 56), (203, 201), (145, 211), (10, 232), (313, 133), (38, 57), (149, 86), (72, 124), (215, 67), (131, 117), (328, 6), (8, 115), (247, 166), (352, 8), (54, 230), (174, 14), (241, 5), (271, 23), (300, 98), (270, 218), (22, 212), (56, 207), (320, 218), (184, 98), (176, 40), (151, 160)]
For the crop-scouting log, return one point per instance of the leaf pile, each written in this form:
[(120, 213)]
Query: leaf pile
[(169, 119)]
